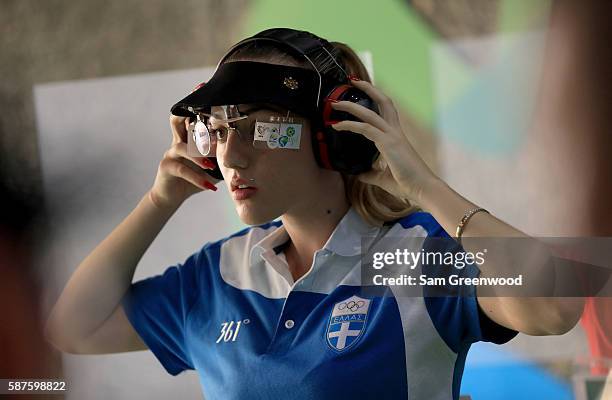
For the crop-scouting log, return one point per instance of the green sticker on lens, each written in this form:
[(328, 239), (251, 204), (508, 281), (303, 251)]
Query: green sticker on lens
[(283, 140), (292, 133)]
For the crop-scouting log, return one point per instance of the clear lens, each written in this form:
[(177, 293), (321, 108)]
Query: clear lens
[(259, 130)]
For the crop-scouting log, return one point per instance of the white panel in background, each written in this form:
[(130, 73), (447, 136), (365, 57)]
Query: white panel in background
[(368, 61), (101, 141)]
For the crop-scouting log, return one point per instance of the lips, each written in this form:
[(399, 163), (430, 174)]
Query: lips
[(243, 194), (237, 182)]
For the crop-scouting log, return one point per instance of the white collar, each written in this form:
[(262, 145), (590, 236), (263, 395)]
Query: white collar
[(345, 240)]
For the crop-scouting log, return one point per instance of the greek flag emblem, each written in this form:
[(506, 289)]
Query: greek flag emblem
[(347, 322)]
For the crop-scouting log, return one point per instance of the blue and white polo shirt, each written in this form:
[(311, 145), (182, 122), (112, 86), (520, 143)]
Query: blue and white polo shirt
[(232, 312)]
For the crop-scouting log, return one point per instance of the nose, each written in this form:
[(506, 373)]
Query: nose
[(235, 151)]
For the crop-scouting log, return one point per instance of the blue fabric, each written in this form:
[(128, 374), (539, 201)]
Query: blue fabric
[(271, 361), (158, 308), (182, 314)]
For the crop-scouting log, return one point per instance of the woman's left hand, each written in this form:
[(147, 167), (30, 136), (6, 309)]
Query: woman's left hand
[(401, 172)]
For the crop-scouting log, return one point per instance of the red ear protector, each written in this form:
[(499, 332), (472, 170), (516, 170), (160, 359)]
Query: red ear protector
[(344, 151)]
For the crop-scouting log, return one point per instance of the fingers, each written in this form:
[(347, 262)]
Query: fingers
[(369, 131), (175, 167), (179, 150), (384, 102), (363, 113), (179, 129), (369, 89)]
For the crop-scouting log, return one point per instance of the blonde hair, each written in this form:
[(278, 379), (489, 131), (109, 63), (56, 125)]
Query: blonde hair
[(375, 205)]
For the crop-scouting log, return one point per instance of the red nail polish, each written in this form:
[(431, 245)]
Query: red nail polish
[(209, 185), (207, 163), (354, 77), (333, 100)]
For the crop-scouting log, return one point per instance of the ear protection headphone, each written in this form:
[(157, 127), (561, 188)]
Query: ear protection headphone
[(343, 151)]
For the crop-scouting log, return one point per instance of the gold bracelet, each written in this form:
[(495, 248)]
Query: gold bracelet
[(465, 220)]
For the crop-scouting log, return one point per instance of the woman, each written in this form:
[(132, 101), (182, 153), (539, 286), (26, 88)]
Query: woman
[(276, 310)]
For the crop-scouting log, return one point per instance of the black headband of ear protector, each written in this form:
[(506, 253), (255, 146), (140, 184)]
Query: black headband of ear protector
[(304, 91)]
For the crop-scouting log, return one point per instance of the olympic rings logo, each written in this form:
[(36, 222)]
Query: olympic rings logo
[(351, 305)]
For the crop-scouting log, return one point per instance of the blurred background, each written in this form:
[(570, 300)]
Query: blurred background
[(507, 100)]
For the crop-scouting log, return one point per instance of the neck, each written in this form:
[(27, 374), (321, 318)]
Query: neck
[(311, 224)]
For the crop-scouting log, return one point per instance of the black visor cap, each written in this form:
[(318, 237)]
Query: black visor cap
[(244, 82)]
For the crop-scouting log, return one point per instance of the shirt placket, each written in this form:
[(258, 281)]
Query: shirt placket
[(292, 314)]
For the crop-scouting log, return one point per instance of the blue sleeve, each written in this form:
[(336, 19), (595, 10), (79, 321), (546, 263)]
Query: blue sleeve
[(455, 311), (459, 320), (157, 308)]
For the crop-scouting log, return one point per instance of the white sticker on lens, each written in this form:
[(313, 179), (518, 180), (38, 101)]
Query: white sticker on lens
[(277, 135), (264, 129), (273, 140), (201, 138), (267, 132)]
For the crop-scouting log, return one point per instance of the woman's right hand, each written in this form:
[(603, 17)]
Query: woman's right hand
[(180, 175)]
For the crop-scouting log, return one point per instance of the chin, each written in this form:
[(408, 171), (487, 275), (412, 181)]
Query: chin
[(251, 214)]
